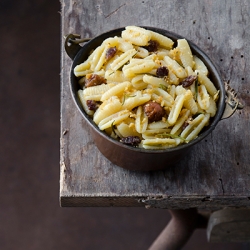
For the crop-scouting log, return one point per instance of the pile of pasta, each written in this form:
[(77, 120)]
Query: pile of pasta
[(132, 81)]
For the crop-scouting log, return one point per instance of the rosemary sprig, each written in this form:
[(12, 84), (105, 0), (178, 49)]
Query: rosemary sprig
[(171, 135), (163, 87), (126, 96)]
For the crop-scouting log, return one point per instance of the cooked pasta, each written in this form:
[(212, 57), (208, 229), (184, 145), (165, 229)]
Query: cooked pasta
[(203, 97), (138, 82), (96, 92), (155, 81), (140, 85), (176, 109), (135, 100), (96, 57), (163, 96), (106, 109), (175, 67), (136, 35), (194, 128), (138, 67), (83, 101), (186, 55), (141, 121), (113, 119), (200, 66), (204, 80), (181, 120), (116, 90), (164, 41), (127, 129), (122, 59)]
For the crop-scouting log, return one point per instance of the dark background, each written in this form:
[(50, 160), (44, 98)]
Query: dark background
[(30, 215)]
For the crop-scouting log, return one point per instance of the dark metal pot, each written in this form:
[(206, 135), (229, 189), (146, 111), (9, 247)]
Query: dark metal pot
[(136, 158)]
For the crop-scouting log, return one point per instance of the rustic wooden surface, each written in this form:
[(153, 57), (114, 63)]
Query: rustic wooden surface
[(216, 173)]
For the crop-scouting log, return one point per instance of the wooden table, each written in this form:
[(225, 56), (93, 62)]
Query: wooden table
[(216, 173)]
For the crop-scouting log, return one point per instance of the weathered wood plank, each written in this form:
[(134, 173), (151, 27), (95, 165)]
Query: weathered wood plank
[(219, 166)]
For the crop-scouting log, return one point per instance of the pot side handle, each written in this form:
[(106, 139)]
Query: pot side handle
[(232, 102), (71, 44)]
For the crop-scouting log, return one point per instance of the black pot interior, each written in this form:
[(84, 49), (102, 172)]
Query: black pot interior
[(214, 76)]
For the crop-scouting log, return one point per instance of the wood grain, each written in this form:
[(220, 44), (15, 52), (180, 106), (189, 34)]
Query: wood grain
[(217, 171)]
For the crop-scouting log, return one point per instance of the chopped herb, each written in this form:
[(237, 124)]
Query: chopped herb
[(126, 96), (170, 135), (163, 87)]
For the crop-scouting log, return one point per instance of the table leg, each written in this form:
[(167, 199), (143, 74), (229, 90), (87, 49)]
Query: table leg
[(179, 229)]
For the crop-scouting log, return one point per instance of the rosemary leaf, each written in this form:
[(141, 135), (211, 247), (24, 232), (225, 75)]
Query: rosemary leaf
[(170, 135), (126, 96), (163, 87)]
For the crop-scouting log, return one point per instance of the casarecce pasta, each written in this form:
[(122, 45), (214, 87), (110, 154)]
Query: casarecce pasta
[(140, 86)]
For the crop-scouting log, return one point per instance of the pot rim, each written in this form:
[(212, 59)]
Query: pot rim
[(174, 36)]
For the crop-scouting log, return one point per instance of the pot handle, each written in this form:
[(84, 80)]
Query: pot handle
[(71, 44), (232, 102)]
